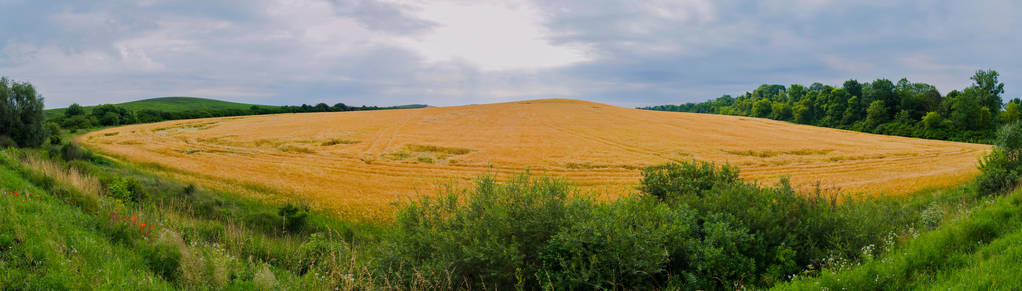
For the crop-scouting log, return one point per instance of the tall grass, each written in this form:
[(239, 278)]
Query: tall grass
[(86, 183)]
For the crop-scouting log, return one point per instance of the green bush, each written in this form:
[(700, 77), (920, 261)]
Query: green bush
[(126, 189), (1000, 168), (294, 217), (71, 152), (496, 235), (685, 179), (631, 243), (164, 260), (7, 142)]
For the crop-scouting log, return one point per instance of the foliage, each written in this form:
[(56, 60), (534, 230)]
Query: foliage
[(697, 227), (176, 108), (903, 108), (294, 217), (685, 179), (21, 114), (1000, 168), (125, 189)]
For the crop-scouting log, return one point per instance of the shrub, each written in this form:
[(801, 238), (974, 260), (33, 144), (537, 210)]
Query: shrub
[(1000, 168), (188, 190), (294, 217), (686, 178), (498, 231), (125, 189), (626, 244), (7, 142), (163, 259), (71, 151)]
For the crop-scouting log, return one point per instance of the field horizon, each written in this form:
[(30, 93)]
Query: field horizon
[(358, 163)]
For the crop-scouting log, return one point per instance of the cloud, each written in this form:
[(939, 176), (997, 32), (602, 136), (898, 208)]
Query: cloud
[(458, 52)]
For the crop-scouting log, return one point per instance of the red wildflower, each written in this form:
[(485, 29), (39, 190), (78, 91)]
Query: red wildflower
[(133, 218)]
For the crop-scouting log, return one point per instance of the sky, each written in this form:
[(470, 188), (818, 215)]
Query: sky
[(391, 52)]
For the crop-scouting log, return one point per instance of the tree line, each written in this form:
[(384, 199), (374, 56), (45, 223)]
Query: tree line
[(76, 117), (903, 108)]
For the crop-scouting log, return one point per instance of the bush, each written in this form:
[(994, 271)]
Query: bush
[(1000, 168), (294, 217), (125, 189), (71, 152), (685, 179), (495, 236), (627, 244), (188, 190), (7, 142), (163, 259)]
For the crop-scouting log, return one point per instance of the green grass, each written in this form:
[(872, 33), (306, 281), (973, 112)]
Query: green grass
[(64, 241), (47, 244), (169, 104), (979, 249)]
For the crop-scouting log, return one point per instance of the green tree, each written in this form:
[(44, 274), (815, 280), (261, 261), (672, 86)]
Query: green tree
[(853, 88), (73, 110), (988, 88), (876, 114), (21, 114), (781, 111), (1011, 112), (802, 114), (761, 108), (932, 120)]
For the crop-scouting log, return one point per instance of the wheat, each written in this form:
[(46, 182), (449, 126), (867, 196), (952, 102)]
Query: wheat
[(602, 148)]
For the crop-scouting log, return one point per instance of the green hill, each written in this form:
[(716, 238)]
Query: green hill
[(170, 104)]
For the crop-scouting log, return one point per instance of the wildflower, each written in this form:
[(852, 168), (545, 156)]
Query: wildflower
[(133, 218)]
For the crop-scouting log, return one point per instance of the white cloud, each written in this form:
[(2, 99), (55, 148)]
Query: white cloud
[(492, 36)]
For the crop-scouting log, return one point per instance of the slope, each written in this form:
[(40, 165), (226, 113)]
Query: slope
[(357, 163), (170, 104), (981, 250)]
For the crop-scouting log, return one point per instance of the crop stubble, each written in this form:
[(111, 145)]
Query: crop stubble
[(357, 163)]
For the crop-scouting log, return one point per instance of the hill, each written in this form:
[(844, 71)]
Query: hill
[(170, 104), (357, 163)]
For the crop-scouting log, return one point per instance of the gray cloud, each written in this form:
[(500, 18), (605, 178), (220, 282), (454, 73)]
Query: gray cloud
[(388, 52)]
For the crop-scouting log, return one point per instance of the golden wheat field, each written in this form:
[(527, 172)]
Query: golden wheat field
[(358, 163)]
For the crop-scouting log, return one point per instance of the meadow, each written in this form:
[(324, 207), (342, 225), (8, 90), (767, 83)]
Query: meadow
[(355, 164)]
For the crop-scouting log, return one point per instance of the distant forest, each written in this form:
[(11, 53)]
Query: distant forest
[(884, 107), (76, 117)]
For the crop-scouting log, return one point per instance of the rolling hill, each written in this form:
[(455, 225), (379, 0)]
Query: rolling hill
[(170, 104), (357, 163)]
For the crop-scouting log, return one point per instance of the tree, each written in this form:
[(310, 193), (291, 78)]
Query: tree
[(761, 108), (802, 114), (876, 114), (1011, 113), (853, 88), (988, 89), (965, 110), (21, 114), (781, 111), (73, 110), (932, 120), (882, 90)]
